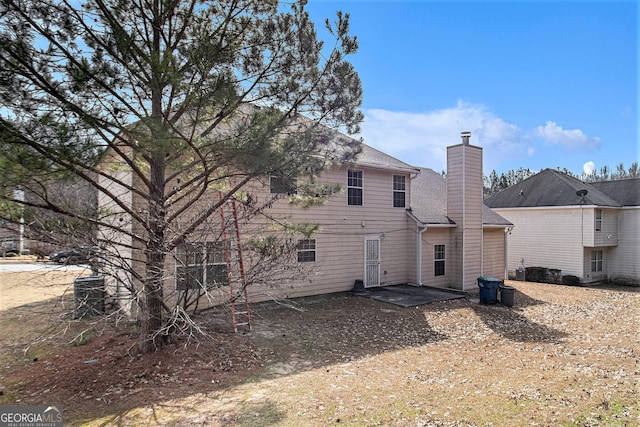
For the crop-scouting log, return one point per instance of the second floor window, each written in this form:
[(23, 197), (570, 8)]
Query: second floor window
[(598, 219), (438, 260), (354, 187), (399, 191), (282, 185)]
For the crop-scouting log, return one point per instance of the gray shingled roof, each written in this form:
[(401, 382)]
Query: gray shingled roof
[(549, 188), (429, 201), (624, 191), (429, 197), (375, 158)]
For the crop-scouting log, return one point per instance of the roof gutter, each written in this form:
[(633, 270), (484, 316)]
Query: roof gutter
[(426, 224), (411, 170), (497, 226)]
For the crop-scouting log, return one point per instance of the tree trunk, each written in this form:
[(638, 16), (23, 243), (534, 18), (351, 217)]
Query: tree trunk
[(152, 336)]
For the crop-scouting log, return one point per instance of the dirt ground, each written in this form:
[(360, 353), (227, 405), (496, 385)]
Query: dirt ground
[(562, 356)]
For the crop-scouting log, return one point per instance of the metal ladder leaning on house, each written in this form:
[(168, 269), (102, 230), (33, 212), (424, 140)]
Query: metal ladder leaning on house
[(235, 266)]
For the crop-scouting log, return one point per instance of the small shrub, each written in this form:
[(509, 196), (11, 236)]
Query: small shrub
[(555, 275), (570, 280), (537, 274), (625, 281)]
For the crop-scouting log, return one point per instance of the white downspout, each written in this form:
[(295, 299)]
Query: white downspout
[(507, 230), (421, 231)]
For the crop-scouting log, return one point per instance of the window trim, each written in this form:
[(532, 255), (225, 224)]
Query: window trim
[(208, 255), (350, 187), (437, 249), (598, 219), (597, 261), (398, 191), (310, 252)]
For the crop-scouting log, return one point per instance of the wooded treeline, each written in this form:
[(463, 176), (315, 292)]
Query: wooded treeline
[(495, 183)]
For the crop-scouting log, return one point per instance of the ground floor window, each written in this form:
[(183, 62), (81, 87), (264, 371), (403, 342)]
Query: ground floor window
[(200, 265), (306, 250), (438, 260), (596, 261)]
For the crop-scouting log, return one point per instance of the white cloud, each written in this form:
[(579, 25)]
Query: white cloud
[(571, 139), (588, 168), (421, 138)]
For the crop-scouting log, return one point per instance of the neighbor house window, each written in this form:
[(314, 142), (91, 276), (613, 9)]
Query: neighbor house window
[(399, 191), (354, 187), (596, 261), (307, 250), (200, 266), (438, 260), (598, 219), (282, 185)]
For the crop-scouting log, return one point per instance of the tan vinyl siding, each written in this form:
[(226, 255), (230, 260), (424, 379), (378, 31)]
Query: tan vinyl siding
[(464, 207), (493, 254), (431, 238), (412, 251), (115, 242), (340, 239)]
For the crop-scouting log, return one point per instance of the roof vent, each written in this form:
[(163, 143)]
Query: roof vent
[(466, 135)]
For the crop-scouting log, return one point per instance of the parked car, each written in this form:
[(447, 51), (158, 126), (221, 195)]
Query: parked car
[(75, 256)]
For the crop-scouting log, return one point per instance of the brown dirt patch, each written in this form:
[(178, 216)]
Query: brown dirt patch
[(561, 356)]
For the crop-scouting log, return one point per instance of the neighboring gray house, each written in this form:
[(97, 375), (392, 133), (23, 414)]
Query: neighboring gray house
[(589, 230)]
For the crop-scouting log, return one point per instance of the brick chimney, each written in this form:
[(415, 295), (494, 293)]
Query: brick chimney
[(464, 207)]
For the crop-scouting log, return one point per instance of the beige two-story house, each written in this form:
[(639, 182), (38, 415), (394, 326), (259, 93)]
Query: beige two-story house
[(392, 223)]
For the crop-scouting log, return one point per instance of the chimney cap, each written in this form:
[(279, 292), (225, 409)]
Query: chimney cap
[(465, 137)]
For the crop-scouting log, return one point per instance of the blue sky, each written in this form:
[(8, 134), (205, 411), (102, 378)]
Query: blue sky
[(539, 84)]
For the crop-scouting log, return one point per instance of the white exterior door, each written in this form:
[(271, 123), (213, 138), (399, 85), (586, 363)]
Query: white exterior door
[(371, 261)]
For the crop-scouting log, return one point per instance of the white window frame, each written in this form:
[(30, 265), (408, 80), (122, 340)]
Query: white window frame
[(402, 191), (201, 259), (307, 247), (597, 261), (437, 260), (598, 219), (355, 187)]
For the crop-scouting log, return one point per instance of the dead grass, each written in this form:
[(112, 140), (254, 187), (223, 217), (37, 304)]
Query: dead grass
[(561, 356)]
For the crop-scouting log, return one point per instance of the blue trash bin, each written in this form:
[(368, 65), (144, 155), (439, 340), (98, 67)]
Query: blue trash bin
[(489, 289)]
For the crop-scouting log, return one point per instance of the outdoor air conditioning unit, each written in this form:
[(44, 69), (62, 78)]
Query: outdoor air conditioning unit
[(88, 296)]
